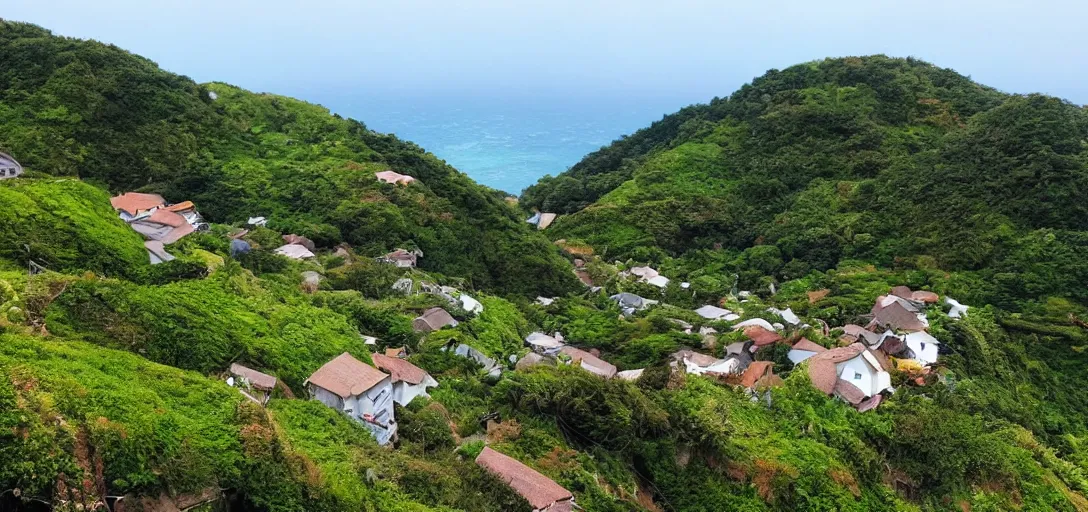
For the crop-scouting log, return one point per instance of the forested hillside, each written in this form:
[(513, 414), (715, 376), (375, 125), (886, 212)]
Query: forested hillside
[(86, 109), (891, 161), (798, 203)]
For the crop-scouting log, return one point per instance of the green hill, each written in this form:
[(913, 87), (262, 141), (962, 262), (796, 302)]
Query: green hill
[(892, 161), (82, 108)]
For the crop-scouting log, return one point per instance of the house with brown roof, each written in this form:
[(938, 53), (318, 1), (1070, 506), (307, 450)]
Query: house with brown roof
[(432, 320), (9, 168), (760, 374), (403, 258), (543, 494), (134, 205), (761, 336), (253, 384), (358, 390), (409, 380), (589, 362), (899, 316), (162, 225), (852, 373)]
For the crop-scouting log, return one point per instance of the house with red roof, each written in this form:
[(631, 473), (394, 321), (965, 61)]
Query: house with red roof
[(542, 493)]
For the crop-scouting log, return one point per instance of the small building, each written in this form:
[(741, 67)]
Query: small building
[(257, 221), (760, 374), (403, 258), (162, 225), (543, 494), (760, 336), (394, 178), (852, 373), (900, 317), (804, 349), (300, 240), (134, 205), (541, 220), (358, 390), (589, 362), (715, 313), (157, 252), (432, 320), (253, 384), (294, 251), (9, 168), (409, 380)]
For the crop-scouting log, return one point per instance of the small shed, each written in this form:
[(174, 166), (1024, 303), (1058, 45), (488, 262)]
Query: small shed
[(543, 494), (255, 385), (9, 168), (589, 362), (132, 205), (294, 251), (432, 320), (402, 258)]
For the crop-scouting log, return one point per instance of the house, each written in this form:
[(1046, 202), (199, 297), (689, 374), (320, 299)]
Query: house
[(358, 390), (957, 310), (294, 251), (803, 350), (432, 320), (394, 178), (403, 258), (162, 225), (188, 210), (629, 302), (257, 221), (409, 380), (761, 337), (754, 321), (630, 375), (924, 346), (589, 362), (470, 304), (542, 493), (157, 252), (715, 313), (133, 205), (901, 317), (697, 363), (760, 374), (9, 168), (787, 314), (253, 384), (852, 373), (300, 240), (542, 343)]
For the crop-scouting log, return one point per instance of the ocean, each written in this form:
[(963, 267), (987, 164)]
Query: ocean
[(504, 142)]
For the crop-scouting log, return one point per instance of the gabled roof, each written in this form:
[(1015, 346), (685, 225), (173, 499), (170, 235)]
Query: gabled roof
[(436, 318), (294, 251), (539, 490), (346, 376), (546, 220), (925, 297), (182, 206), (760, 336), (757, 370), (167, 218), (135, 202), (401, 370), (805, 344), (590, 362), (898, 317), (255, 378), (821, 367)]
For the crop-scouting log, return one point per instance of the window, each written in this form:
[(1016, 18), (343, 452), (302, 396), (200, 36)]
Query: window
[(857, 376), (923, 346)]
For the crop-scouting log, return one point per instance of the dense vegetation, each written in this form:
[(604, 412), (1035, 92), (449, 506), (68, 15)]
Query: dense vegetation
[(891, 161), (111, 369), (86, 109)]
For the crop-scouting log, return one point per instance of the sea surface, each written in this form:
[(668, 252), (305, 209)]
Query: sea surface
[(504, 142)]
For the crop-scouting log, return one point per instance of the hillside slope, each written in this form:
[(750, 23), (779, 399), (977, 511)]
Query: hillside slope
[(82, 108), (892, 161)]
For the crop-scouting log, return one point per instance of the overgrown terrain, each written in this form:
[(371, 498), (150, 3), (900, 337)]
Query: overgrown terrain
[(844, 177)]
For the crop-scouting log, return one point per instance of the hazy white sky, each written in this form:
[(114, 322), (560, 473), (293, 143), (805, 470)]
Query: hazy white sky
[(692, 49)]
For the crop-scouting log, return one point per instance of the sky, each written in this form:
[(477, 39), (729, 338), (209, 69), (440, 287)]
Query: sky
[(690, 50)]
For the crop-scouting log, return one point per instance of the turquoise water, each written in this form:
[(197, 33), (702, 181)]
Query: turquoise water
[(504, 143)]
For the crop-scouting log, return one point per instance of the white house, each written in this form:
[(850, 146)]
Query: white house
[(924, 347), (358, 390), (866, 373), (409, 380), (9, 168), (852, 373), (294, 251), (541, 342), (715, 313)]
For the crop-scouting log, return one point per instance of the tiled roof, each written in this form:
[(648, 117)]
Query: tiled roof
[(167, 218), (761, 336), (590, 362), (401, 370), (135, 202), (346, 376), (255, 378), (805, 344), (755, 371), (539, 490), (182, 206), (898, 317)]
